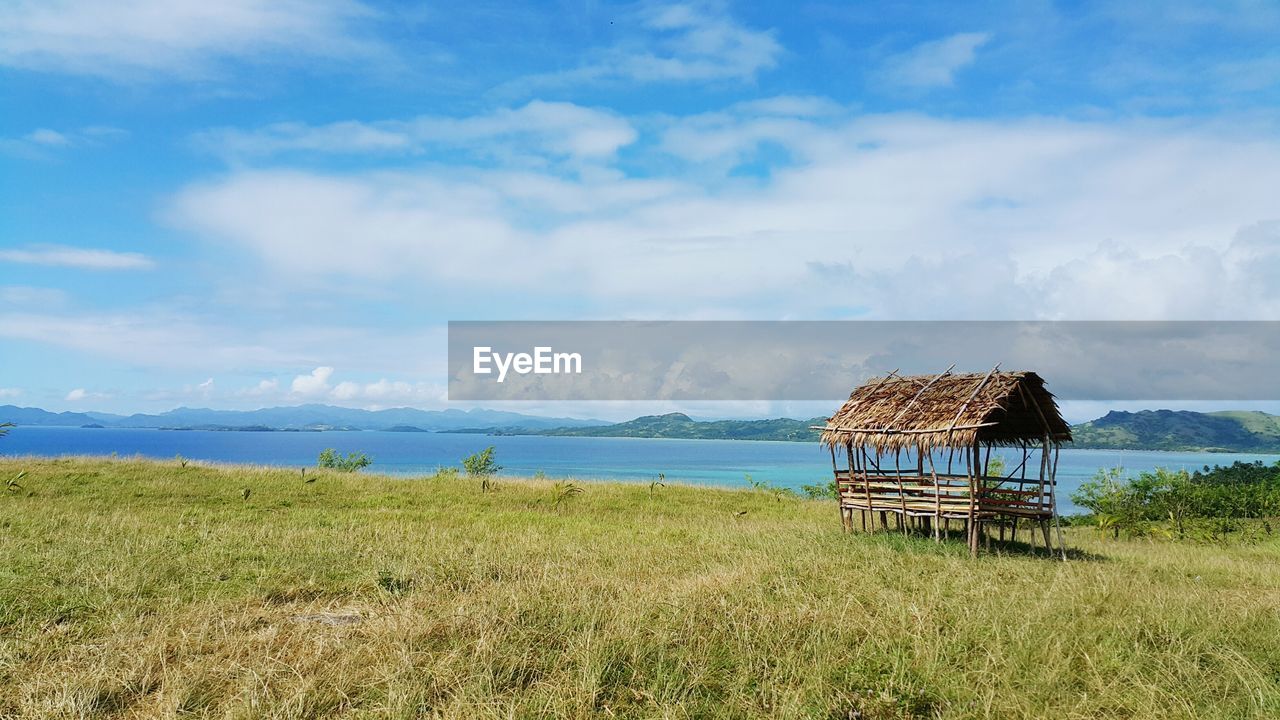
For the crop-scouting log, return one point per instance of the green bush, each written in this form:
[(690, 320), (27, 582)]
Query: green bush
[(482, 465), (1225, 495), (821, 491), (332, 460)]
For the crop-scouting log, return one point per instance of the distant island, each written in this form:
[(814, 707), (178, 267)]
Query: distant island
[(1169, 430), (681, 426), (1182, 430), (313, 417)]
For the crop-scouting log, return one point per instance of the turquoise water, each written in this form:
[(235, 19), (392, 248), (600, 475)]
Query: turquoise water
[(703, 462)]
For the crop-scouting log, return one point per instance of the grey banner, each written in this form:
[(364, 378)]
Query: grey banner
[(824, 360)]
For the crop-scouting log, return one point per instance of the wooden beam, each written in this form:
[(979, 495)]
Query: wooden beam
[(915, 397), (888, 431), (972, 395)]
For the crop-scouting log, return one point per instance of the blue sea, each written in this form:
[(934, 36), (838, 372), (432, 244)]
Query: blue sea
[(702, 462)]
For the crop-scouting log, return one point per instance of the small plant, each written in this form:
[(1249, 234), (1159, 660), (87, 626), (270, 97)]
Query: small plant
[(182, 462), (818, 492), (778, 493), (446, 473), (12, 483), (245, 493), (653, 486), (394, 584), (482, 465), (331, 459), (4, 428), (563, 491), (539, 475)]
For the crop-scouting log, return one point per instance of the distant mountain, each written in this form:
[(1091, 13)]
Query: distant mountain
[(679, 425), (36, 416), (301, 417), (1228, 431)]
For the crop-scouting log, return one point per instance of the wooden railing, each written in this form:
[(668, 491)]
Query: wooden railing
[(949, 496)]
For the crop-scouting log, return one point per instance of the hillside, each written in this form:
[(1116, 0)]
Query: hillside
[(298, 417), (1234, 431), (679, 425), (148, 589)]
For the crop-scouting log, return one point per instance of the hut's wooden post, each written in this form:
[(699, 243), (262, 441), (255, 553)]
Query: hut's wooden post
[(1044, 471), (974, 462), (937, 501), (1053, 499), (846, 513), (902, 494), (866, 484)]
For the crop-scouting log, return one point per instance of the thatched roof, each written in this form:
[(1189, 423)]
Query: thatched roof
[(948, 410)]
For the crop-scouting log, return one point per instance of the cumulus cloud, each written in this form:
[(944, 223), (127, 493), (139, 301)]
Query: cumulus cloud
[(264, 387), (83, 258), (319, 385), (314, 383), (80, 394), (142, 38), (1014, 211), (934, 63)]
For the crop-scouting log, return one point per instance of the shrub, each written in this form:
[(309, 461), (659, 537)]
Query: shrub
[(1224, 495), (331, 459), (482, 465), (816, 492), (563, 491)]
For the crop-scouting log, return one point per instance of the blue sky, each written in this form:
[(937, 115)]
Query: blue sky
[(250, 203)]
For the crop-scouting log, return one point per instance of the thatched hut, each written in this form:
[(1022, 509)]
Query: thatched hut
[(918, 448)]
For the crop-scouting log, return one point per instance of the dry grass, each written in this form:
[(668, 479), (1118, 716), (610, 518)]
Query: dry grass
[(140, 589)]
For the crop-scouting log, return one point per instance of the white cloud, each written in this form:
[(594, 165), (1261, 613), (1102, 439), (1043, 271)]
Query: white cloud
[(157, 337), (43, 142), (45, 136), (133, 38), (80, 394), (862, 208), (264, 387), (385, 393), (84, 258), (315, 383), (10, 392), (677, 42), (23, 295), (318, 384), (538, 128), (346, 390), (935, 63)]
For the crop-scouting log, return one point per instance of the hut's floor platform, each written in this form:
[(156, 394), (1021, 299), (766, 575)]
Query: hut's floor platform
[(948, 497)]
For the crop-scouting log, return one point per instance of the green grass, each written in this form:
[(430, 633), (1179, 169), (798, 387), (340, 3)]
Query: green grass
[(141, 589)]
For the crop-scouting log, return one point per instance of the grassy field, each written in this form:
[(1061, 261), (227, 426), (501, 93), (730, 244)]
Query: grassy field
[(143, 589)]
